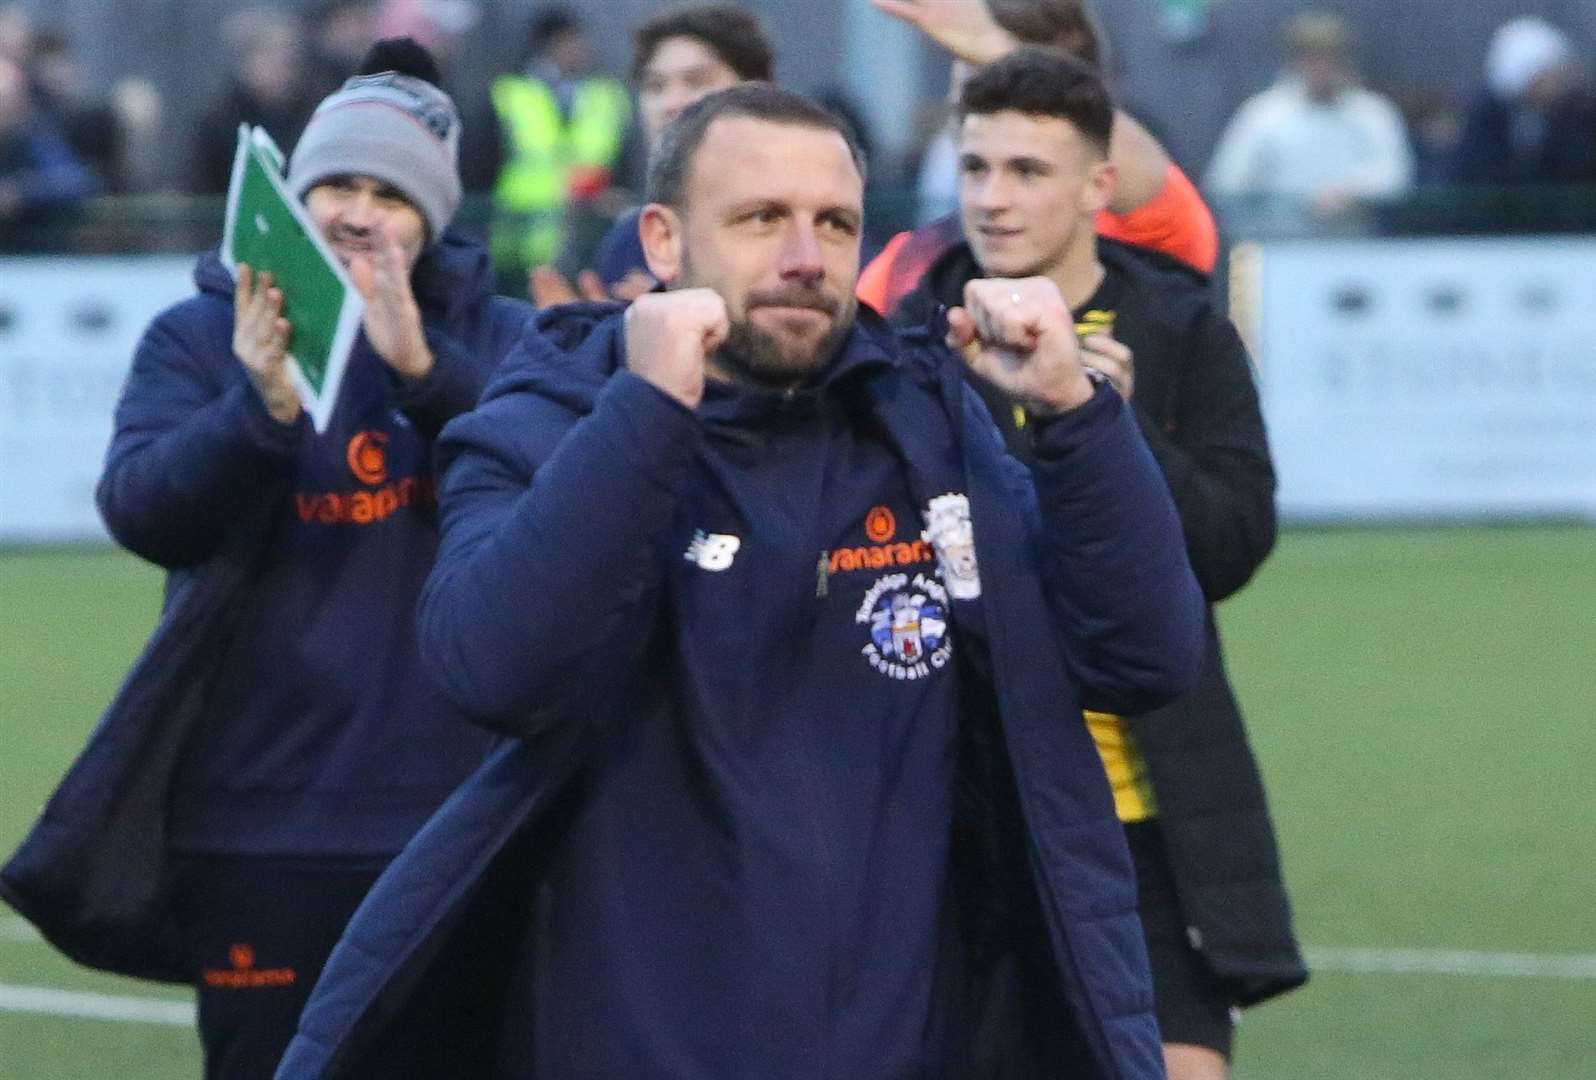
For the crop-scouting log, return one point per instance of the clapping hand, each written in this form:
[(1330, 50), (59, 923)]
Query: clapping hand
[(393, 320), (547, 287), (1113, 358), (260, 341)]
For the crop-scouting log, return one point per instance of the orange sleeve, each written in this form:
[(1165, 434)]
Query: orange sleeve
[(875, 278), (1176, 222)]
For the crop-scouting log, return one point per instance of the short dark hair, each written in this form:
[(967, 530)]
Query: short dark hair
[(730, 32), (405, 55), (1041, 82), (668, 166), (1052, 24), (548, 25)]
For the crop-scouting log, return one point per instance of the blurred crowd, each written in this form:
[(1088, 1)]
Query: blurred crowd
[(554, 146), (1319, 144)]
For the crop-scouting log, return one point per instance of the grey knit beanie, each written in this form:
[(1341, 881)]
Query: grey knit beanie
[(397, 128)]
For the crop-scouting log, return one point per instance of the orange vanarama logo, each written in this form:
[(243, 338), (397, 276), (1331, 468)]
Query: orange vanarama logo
[(880, 525), (368, 459), (244, 975), (879, 556), (365, 507)]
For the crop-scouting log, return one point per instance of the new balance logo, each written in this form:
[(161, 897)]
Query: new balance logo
[(712, 551)]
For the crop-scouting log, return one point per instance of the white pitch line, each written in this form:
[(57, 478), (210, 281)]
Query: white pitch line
[(41, 1000), (1453, 962)]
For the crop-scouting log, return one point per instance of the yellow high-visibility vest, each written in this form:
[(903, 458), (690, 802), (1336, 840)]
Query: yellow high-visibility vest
[(529, 196)]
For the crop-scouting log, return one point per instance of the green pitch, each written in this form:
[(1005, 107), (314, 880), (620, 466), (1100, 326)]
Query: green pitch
[(73, 622), (1421, 701)]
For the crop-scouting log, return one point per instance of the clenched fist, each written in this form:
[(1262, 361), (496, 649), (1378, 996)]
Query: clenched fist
[(1018, 335), (670, 336)]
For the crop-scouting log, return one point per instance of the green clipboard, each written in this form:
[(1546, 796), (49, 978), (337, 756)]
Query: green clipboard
[(269, 229)]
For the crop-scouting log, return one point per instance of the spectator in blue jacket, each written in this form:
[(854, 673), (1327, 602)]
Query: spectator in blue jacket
[(1534, 120), (783, 643), (279, 727), (38, 170), (92, 126)]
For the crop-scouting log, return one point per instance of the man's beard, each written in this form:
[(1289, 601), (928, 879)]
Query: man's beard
[(762, 357)]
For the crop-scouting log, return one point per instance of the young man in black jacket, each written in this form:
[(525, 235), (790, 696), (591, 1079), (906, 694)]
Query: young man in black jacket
[(1034, 172)]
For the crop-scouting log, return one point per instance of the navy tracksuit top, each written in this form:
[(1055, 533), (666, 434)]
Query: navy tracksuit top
[(709, 735), (795, 726), (319, 733), (322, 735)]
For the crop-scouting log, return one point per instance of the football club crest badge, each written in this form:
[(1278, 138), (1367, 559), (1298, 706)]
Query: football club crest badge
[(908, 621), (950, 533)]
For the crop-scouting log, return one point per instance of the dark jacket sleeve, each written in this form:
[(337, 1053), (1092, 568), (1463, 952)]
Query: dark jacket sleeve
[(462, 363), (193, 445), (547, 576), (449, 389), (1128, 611), (1216, 459)]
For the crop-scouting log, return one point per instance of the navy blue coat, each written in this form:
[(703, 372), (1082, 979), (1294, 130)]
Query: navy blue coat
[(1487, 155), (1087, 598), (94, 873)]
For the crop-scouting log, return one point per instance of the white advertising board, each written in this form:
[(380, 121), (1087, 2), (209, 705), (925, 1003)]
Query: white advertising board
[(1426, 378), (68, 327), (1430, 378)]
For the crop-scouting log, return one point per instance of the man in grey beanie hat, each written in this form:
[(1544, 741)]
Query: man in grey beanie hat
[(397, 128), (280, 712)]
